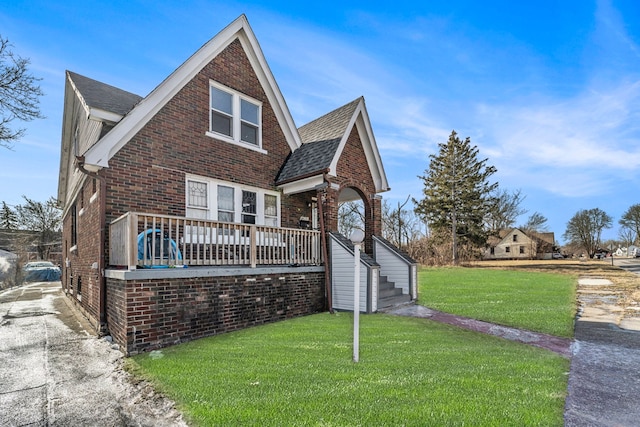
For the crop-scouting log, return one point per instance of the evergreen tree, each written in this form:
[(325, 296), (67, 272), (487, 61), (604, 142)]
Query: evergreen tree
[(8, 218), (457, 193)]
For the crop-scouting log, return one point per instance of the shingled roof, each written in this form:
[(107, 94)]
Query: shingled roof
[(102, 96), (320, 141)]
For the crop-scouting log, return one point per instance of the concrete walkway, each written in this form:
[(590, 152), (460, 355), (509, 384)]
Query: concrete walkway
[(54, 373), (604, 382)]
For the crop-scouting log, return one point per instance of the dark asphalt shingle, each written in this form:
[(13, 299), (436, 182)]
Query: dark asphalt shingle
[(103, 96), (320, 141)]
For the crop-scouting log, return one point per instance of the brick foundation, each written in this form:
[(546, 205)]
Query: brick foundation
[(147, 314)]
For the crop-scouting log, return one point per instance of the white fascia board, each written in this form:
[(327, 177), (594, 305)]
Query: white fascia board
[(267, 80), (361, 120), (104, 115), (302, 185), (132, 123)]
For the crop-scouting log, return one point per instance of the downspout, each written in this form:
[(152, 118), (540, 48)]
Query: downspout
[(323, 237), (101, 263)]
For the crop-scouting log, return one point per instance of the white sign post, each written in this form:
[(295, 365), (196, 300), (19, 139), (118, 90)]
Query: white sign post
[(357, 236)]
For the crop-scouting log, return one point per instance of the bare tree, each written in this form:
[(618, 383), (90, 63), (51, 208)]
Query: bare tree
[(19, 94), (627, 235), (585, 229), (350, 217), (400, 226), (536, 222), (43, 218), (505, 211), (631, 220)]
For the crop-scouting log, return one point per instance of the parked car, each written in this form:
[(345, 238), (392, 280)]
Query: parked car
[(557, 255), (41, 271), (600, 255)]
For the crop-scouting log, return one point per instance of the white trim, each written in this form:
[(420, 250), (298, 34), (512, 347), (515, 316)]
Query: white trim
[(101, 152), (212, 188), (302, 185), (236, 118), (246, 145), (361, 120)]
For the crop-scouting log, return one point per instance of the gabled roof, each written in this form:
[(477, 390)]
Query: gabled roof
[(323, 141), (505, 234), (100, 99), (100, 153)]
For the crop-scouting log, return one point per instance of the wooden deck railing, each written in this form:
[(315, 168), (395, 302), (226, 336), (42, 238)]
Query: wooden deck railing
[(151, 241)]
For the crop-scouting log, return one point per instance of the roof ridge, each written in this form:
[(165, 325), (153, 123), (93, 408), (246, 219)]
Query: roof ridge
[(330, 125)]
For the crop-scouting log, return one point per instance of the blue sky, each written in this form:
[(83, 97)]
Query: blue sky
[(549, 91)]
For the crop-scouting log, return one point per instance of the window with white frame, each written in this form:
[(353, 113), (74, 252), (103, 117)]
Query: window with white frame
[(249, 208), (197, 199), (235, 117), (270, 210), (228, 202)]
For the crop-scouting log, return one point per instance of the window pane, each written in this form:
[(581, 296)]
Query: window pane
[(249, 133), (270, 205), (221, 100), (225, 216), (197, 194), (225, 204), (248, 219), (221, 124), (249, 112), (249, 202)]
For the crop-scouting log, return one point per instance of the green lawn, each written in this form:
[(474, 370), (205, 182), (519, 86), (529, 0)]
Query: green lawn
[(541, 302), (412, 372)]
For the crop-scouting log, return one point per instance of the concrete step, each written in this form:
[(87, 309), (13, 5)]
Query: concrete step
[(394, 300), (389, 292)]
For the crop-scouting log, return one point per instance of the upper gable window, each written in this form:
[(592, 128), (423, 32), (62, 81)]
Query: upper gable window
[(235, 118)]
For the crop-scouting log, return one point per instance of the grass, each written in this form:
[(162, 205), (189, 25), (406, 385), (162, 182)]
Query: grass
[(532, 300), (412, 372)]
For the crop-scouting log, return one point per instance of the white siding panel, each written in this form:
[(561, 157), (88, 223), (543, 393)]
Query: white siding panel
[(342, 279), (395, 268)]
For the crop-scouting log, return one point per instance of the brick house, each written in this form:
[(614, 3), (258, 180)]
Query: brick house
[(201, 208), (515, 243)]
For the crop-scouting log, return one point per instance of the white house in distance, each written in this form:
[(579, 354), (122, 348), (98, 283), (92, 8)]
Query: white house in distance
[(517, 244)]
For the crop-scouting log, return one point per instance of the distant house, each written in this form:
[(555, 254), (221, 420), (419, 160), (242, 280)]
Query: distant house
[(201, 208), (517, 244)]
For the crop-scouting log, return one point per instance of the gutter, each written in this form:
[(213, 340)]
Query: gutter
[(101, 264), (323, 236)]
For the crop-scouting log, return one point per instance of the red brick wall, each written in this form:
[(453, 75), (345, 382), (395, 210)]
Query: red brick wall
[(150, 314), (148, 173), (353, 171), (81, 261)]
